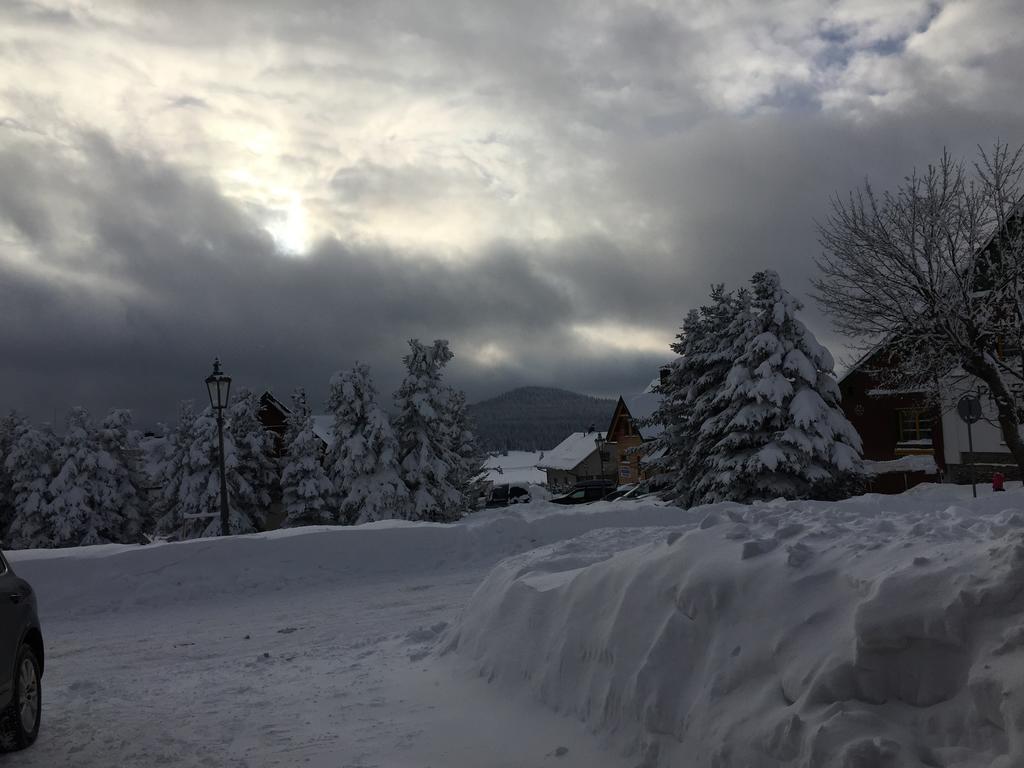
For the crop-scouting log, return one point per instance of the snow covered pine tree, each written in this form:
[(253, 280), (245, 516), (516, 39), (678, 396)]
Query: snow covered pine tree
[(255, 465), (94, 494), (306, 491), (427, 460), (707, 348), (786, 435), (468, 471), (30, 467), (8, 430), (173, 473), (121, 479), (190, 479), (363, 461)]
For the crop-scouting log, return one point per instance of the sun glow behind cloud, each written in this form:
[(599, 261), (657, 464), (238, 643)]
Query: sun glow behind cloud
[(291, 230), (613, 336)]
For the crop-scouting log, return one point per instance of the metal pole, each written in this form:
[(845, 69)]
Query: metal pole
[(223, 475), (970, 449)]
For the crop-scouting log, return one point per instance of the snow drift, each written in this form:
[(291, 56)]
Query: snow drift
[(879, 632), (85, 581)]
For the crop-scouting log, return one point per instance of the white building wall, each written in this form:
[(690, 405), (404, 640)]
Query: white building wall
[(986, 433)]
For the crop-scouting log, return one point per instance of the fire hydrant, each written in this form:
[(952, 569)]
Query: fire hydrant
[(997, 481)]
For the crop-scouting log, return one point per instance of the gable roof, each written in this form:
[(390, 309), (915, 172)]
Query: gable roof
[(642, 406), (571, 452)]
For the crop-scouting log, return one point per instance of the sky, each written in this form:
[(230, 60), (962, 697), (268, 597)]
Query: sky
[(549, 185)]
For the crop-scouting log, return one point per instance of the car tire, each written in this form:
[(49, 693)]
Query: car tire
[(19, 722)]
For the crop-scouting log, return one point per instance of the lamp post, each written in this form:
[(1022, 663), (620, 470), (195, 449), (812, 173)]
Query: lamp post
[(599, 442), (218, 386)]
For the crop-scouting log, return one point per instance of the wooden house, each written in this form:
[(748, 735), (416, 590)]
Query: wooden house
[(893, 425), (631, 434), (581, 456)]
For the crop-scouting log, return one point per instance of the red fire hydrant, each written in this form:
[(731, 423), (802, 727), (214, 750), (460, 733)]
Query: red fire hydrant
[(997, 481)]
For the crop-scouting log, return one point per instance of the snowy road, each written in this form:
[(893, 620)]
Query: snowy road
[(155, 658), (326, 678)]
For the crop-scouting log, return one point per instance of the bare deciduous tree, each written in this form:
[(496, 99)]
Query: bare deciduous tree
[(934, 271)]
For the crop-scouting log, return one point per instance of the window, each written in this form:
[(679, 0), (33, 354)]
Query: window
[(915, 424)]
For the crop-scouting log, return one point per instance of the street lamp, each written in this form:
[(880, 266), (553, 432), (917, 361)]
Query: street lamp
[(600, 442), (218, 386)]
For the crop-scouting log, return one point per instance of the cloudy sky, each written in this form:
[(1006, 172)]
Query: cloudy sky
[(550, 185)]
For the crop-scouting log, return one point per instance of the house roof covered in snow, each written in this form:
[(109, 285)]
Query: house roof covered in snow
[(569, 453), (323, 427)]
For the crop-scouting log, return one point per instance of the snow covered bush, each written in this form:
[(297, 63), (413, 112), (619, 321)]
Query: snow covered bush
[(363, 461), (306, 491), (785, 434), (424, 437)]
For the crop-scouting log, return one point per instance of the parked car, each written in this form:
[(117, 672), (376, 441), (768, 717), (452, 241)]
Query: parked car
[(620, 492), (21, 662), (638, 491), (503, 495), (587, 491)]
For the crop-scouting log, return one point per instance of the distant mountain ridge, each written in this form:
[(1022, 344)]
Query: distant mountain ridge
[(537, 418)]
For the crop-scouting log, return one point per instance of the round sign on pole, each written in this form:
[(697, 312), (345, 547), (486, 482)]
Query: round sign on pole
[(969, 408)]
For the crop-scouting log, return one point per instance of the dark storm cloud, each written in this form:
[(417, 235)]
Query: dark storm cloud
[(175, 274), (536, 181)]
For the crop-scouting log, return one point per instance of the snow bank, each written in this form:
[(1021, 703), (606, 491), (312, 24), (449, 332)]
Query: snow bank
[(113, 577), (902, 464), (880, 632)]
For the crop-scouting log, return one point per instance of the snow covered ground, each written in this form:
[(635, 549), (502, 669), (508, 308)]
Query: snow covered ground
[(879, 632), (300, 647), (884, 631)]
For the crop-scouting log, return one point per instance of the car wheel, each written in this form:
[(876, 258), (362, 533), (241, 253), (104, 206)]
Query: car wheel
[(19, 723)]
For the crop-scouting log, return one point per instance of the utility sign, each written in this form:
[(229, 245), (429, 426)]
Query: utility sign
[(969, 408)]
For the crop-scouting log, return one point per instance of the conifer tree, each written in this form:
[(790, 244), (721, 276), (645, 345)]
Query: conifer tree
[(363, 460), (705, 347), (30, 467), (120, 479), (306, 491), (8, 434), (785, 434), (424, 436), (173, 472), (468, 470), (94, 495), (254, 460), (244, 514)]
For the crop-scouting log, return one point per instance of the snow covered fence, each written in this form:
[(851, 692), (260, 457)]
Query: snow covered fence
[(879, 632), (90, 580)]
